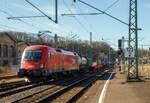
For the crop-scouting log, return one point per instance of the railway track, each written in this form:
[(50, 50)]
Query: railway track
[(14, 91), (70, 93), (11, 84), (32, 98), (24, 93), (58, 97), (47, 92), (8, 76)]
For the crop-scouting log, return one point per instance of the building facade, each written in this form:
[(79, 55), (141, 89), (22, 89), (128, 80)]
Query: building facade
[(7, 50), (10, 49)]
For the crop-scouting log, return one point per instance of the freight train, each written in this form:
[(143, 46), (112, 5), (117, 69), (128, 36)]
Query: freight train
[(44, 61)]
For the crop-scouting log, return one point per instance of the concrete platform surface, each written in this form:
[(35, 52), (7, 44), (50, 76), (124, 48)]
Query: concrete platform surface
[(120, 91)]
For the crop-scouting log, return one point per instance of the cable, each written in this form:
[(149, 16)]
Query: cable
[(5, 12), (75, 17), (96, 13), (40, 11), (111, 5), (7, 26), (103, 12), (30, 24), (85, 18), (82, 14), (92, 13), (2, 28), (25, 17), (19, 19)]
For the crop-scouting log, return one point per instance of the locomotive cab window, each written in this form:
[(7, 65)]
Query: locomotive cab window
[(48, 55), (33, 55)]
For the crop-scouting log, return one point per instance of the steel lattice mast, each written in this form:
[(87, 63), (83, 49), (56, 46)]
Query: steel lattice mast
[(133, 36), (133, 41)]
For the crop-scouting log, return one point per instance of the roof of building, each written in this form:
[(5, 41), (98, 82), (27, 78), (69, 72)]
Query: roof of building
[(10, 36)]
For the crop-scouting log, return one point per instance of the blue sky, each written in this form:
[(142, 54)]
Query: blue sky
[(101, 26)]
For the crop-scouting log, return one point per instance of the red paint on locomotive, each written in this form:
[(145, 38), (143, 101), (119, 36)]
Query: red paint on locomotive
[(40, 60)]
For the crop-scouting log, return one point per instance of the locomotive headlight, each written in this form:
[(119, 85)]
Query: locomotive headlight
[(41, 65)]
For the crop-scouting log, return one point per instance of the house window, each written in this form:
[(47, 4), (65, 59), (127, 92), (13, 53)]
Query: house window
[(11, 51), (5, 51)]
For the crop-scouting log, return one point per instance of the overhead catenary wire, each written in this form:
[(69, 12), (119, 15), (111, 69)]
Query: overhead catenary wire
[(82, 14), (45, 15), (92, 13), (85, 19), (8, 26), (24, 17), (23, 21), (75, 17), (2, 28), (40, 11), (20, 19), (111, 5), (5, 12), (104, 12)]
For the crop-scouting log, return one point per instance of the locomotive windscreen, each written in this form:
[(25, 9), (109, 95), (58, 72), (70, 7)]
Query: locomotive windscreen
[(33, 55)]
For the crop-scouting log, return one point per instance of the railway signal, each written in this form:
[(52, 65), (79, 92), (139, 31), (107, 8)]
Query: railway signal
[(119, 52), (119, 43)]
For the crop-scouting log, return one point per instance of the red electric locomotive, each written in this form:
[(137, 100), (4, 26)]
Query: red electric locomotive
[(44, 61)]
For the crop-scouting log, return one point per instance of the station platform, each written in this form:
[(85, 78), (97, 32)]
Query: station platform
[(120, 91), (113, 88)]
